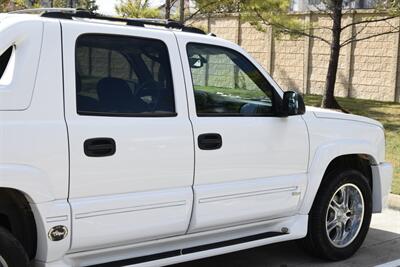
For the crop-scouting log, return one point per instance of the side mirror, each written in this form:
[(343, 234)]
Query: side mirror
[(292, 104), (197, 61)]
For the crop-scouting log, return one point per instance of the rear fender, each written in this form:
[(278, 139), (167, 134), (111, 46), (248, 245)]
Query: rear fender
[(32, 182)]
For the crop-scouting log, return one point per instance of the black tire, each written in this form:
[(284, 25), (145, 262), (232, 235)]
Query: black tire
[(317, 241), (11, 250)]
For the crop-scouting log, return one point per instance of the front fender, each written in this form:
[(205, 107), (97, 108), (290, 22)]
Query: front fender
[(323, 156)]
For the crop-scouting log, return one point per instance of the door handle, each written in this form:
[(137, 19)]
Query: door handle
[(99, 147), (210, 141)]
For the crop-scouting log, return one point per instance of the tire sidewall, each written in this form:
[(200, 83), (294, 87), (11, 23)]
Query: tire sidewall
[(11, 250), (318, 215)]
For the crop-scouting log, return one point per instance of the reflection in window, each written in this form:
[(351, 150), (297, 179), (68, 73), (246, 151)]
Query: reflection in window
[(227, 83)]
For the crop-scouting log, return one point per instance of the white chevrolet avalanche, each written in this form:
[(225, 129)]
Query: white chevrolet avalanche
[(148, 143)]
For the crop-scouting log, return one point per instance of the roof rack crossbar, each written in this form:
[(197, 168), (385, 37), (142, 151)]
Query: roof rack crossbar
[(85, 14)]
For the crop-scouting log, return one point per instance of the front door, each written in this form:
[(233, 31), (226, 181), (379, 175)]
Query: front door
[(251, 165), (131, 142)]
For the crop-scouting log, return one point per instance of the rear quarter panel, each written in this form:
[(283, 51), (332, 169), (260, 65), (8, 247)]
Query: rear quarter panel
[(33, 141)]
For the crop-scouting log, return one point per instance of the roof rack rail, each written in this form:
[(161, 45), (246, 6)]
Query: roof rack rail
[(71, 13)]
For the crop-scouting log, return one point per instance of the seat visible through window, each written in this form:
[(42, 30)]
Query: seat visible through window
[(123, 76)]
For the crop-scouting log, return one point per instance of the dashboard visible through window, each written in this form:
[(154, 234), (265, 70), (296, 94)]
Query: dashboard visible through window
[(123, 76), (227, 84)]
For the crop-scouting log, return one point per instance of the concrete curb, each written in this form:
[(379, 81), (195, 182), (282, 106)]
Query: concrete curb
[(394, 202)]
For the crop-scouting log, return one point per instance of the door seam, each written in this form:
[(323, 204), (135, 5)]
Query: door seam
[(193, 134), (68, 139)]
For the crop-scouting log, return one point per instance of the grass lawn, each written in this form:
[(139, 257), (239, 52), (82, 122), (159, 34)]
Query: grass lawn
[(388, 114)]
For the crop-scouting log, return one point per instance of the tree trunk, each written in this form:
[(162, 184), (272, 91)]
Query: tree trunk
[(182, 11), (328, 100), (167, 9)]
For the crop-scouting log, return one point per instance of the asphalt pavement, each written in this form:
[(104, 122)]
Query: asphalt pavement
[(381, 247)]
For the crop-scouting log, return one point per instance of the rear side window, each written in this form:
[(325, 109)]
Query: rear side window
[(5, 60), (123, 76)]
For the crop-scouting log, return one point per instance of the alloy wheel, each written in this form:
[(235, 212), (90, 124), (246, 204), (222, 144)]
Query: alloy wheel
[(345, 215)]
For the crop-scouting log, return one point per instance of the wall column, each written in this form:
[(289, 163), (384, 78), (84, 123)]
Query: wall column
[(307, 56), (395, 66)]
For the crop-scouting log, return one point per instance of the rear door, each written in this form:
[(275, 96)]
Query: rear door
[(251, 164), (131, 143)]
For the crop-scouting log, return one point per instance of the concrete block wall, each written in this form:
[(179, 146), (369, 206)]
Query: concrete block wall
[(375, 63), (368, 69), (288, 63)]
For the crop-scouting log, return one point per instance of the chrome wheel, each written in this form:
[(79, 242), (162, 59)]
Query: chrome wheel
[(345, 215), (3, 262)]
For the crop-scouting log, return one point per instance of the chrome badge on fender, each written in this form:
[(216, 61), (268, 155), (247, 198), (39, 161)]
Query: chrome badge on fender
[(58, 233)]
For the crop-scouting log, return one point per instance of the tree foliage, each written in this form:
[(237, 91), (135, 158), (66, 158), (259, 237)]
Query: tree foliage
[(257, 12), (33, 4), (87, 5), (11, 5), (276, 13), (136, 9), (83, 4)]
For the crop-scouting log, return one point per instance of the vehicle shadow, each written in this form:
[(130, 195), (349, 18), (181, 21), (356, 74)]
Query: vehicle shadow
[(379, 247)]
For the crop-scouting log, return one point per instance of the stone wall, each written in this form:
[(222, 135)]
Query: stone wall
[(368, 69)]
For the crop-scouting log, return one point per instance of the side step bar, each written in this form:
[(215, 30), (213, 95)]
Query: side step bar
[(190, 250)]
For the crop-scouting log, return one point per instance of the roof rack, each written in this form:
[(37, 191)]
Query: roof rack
[(71, 13)]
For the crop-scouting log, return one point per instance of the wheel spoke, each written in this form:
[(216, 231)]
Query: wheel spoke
[(334, 205), (338, 233), (332, 225)]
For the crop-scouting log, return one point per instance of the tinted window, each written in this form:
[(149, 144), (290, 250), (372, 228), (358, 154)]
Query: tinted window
[(227, 83), (4, 60), (123, 76)]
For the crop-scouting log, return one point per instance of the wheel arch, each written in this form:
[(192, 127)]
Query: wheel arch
[(17, 217), (32, 182), (35, 187), (21, 188), (349, 153)]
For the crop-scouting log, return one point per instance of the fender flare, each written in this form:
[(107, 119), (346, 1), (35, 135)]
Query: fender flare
[(48, 212), (321, 159)]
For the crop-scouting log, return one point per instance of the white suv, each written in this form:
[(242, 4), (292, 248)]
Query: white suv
[(146, 142)]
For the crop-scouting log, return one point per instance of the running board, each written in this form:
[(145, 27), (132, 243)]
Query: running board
[(186, 251)]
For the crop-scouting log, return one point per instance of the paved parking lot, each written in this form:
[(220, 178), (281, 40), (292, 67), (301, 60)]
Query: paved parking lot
[(381, 246)]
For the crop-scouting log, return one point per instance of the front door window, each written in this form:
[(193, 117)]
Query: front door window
[(227, 84)]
